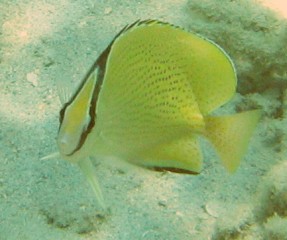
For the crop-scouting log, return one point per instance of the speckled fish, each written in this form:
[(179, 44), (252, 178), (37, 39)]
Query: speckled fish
[(148, 97)]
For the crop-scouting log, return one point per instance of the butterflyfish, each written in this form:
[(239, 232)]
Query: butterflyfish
[(148, 97)]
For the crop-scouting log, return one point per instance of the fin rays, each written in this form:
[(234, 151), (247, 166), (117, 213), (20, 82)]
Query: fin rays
[(182, 156), (88, 170), (230, 135)]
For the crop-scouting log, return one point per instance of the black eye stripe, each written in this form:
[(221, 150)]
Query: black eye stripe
[(92, 112), (100, 65), (62, 113)]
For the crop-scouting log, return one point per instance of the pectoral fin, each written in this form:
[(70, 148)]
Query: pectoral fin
[(230, 135)]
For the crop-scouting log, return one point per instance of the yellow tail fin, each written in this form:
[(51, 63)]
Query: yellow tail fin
[(230, 135)]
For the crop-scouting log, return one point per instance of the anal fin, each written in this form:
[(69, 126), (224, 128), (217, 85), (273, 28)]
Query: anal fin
[(181, 156)]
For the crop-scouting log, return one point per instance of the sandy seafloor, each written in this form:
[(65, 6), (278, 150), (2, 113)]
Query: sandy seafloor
[(44, 41)]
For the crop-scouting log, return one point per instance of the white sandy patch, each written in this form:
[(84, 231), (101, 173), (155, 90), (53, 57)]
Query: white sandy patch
[(277, 5)]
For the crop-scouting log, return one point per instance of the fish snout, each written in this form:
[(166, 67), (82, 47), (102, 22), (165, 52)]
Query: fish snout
[(67, 144)]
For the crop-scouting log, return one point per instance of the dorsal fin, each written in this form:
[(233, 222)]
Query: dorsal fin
[(65, 92), (213, 80)]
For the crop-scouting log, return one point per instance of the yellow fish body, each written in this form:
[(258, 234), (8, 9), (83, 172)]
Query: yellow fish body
[(148, 97)]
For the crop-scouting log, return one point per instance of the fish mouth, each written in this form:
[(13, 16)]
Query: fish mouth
[(65, 147)]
